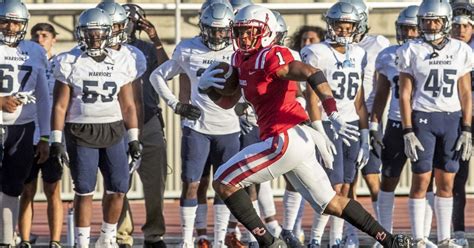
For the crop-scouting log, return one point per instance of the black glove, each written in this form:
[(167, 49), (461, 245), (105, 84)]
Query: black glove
[(245, 126), (58, 154), (240, 108), (188, 111), (135, 150), (376, 143)]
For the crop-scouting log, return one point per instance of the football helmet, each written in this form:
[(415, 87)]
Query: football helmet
[(207, 3), (94, 31), (434, 9), (463, 11), (119, 17), (363, 11), (342, 12), (407, 17), (13, 11), (239, 4), (214, 23), (134, 13), (261, 23), (281, 30)]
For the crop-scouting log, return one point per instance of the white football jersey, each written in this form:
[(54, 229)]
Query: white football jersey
[(471, 44), (193, 57), (372, 44), (385, 65), (23, 69), (344, 82), (436, 77), (131, 52), (95, 85)]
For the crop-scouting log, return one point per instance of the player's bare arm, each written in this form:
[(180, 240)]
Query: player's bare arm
[(406, 88), (127, 105), (381, 96), (61, 96), (465, 97), (314, 111), (361, 109)]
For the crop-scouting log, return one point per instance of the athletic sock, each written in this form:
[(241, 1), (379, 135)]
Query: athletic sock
[(221, 220), (108, 231), (428, 213), (335, 233), (416, 208), (83, 236), (201, 217), (188, 215), (385, 202), (444, 211), (291, 204), (319, 224), (265, 200)]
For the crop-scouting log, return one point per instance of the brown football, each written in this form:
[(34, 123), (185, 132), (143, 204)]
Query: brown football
[(231, 86)]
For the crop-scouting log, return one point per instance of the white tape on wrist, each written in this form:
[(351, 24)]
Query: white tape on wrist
[(56, 136), (132, 134)]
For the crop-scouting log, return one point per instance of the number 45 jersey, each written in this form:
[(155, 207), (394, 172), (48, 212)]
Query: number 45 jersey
[(435, 73), (95, 85), (344, 73)]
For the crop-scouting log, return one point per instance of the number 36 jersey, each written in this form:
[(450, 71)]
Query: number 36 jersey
[(345, 81), (95, 85), (435, 73)]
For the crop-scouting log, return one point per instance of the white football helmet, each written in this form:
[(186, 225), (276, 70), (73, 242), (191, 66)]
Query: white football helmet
[(434, 9), (13, 11), (263, 24), (93, 31), (119, 17), (216, 19), (282, 29), (342, 12), (407, 17)]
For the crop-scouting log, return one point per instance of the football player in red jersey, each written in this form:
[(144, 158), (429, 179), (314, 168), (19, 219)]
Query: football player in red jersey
[(267, 76)]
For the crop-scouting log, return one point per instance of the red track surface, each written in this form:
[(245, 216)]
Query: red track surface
[(401, 219)]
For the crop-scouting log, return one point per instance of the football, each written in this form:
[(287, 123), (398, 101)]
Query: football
[(231, 86)]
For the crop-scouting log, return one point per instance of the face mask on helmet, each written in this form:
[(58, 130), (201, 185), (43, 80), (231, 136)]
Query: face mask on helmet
[(216, 38), (12, 30), (248, 38), (342, 32), (119, 34), (434, 28), (94, 39), (406, 33)]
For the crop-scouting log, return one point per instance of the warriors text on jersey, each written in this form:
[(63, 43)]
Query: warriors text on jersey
[(95, 85), (344, 82), (23, 69), (385, 65), (435, 73), (273, 99)]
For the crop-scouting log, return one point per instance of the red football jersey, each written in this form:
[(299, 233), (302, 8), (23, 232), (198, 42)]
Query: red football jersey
[(273, 98)]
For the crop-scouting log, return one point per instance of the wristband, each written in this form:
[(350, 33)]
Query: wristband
[(407, 130), (56, 136), (466, 128), (132, 134), (374, 126), (44, 138), (329, 106)]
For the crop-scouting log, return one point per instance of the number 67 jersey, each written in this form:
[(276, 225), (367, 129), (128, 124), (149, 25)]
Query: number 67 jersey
[(435, 73), (344, 73), (95, 85)]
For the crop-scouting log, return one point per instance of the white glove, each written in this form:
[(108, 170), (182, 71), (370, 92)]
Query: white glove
[(347, 131), (25, 97), (411, 144), (323, 148), (318, 126), (364, 152), (208, 78), (464, 145)]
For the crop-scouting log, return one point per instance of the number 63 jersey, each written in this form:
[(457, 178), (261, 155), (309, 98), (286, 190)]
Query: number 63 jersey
[(344, 73), (95, 85), (435, 73)]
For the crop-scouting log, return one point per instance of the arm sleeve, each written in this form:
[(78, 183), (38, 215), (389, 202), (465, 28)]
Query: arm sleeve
[(160, 75), (275, 58), (403, 59), (43, 104)]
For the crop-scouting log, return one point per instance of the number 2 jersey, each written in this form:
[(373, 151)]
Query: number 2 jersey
[(435, 73), (273, 98), (23, 69), (95, 85), (386, 65), (344, 82)]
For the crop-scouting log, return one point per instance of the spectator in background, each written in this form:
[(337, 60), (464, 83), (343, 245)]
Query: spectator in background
[(45, 35), (153, 168), (306, 35)]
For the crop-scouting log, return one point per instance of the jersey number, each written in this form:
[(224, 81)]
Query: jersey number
[(280, 58), (436, 86), (6, 79), (350, 81), (90, 96)]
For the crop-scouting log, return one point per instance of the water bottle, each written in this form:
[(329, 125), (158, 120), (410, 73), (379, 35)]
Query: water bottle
[(70, 227)]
